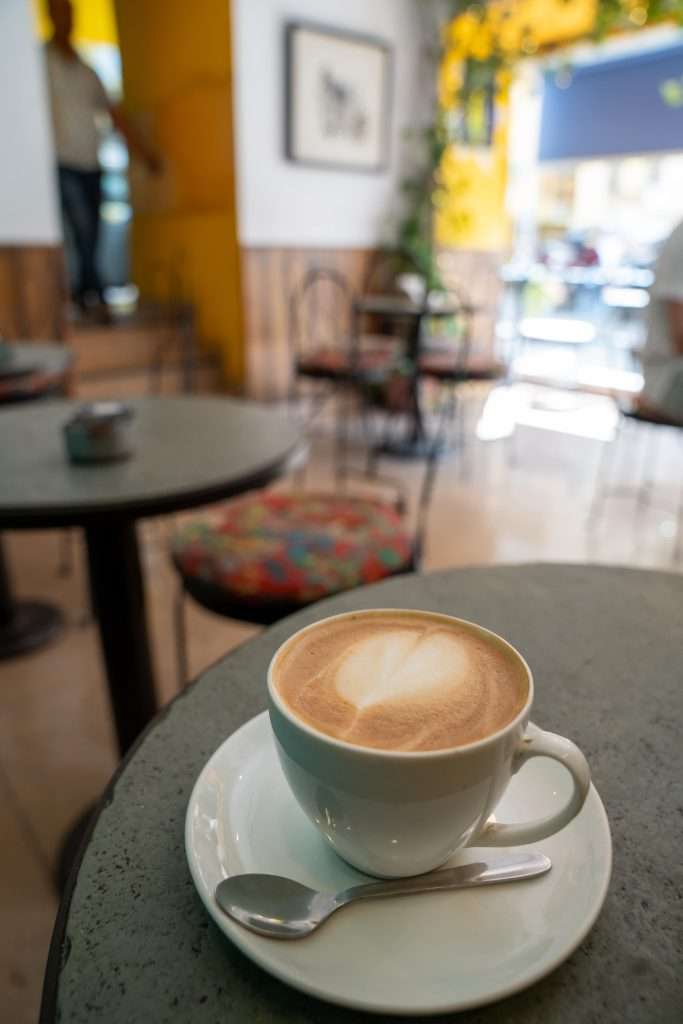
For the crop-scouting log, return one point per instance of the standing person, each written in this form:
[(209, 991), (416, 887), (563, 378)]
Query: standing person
[(663, 353), (78, 102)]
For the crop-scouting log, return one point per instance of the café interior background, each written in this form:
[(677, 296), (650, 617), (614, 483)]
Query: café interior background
[(536, 224)]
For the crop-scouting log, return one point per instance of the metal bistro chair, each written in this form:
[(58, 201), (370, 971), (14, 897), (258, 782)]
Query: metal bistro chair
[(323, 349), (320, 329), (451, 359), (451, 362), (268, 554), (326, 351), (643, 493)]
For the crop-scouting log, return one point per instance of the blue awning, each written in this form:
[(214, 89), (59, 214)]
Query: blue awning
[(615, 107)]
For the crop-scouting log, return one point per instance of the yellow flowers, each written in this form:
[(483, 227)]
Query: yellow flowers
[(450, 79), (480, 36), (481, 45), (463, 30)]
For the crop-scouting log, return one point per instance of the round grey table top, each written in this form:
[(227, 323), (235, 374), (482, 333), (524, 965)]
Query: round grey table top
[(188, 451), (134, 943)]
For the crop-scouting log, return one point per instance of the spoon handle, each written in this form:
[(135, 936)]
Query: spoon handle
[(515, 865)]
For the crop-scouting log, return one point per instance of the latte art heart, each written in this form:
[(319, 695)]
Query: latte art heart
[(400, 680), (402, 663)]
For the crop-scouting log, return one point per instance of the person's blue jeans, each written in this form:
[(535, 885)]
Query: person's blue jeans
[(80, 193)]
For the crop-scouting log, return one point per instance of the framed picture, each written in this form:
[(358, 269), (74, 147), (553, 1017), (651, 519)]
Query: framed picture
[(337, 98)]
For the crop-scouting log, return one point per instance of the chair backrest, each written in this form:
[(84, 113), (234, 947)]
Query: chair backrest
[(320, 312)]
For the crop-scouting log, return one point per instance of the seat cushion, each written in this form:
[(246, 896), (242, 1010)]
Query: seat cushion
[(446, 366), (291, 548), (325, 363), (335, 363)]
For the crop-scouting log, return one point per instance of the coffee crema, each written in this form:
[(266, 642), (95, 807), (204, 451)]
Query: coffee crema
[(400, 681)]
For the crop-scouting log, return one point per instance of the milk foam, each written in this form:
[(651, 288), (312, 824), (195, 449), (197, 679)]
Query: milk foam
[(400, 664), (400, 681)]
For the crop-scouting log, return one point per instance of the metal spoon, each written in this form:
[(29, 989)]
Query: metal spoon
[(284, 909)]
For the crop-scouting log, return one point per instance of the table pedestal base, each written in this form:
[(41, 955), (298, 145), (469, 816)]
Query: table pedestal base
[(118, 599), (31, 624)]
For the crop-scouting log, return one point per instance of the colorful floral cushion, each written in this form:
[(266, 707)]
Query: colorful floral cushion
[(293, 547)]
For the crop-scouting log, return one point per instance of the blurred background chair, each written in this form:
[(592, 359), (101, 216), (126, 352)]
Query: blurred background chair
[(447, 351), (330, 355), (449, 359), (323, 349), (642, 494)]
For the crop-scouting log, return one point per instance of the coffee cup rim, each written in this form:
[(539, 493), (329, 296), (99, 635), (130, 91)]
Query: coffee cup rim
[(407, 755)]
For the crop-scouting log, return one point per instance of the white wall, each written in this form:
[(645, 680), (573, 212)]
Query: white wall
[(28, 206), (281, 203)]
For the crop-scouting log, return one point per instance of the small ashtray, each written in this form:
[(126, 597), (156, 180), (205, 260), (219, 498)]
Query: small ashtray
[(100, 432)]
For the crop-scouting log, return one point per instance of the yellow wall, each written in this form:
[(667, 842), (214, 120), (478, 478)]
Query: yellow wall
[(472, 210), (177, 87), (94, 20)]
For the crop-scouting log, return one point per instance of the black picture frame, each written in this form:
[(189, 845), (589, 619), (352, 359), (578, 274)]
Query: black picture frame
[(292, 29)]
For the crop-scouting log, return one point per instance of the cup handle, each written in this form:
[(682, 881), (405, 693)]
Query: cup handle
[(538, 743)]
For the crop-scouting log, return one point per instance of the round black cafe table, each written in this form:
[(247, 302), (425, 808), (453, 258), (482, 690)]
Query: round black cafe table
[(29, 371), (133, 942), (188, 452)]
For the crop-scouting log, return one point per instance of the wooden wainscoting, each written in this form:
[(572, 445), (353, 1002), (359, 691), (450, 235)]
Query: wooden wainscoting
[(269, 276), (32, 292)]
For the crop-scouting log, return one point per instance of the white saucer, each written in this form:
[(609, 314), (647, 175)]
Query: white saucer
[(425, 954)]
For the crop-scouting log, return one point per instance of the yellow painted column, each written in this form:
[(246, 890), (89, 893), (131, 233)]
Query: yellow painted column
[(177, 86)]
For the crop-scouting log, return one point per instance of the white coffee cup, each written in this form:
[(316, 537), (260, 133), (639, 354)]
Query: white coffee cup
[(395, 813)]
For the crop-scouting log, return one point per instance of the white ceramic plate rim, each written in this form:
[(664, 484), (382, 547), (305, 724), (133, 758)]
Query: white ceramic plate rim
[(257, 950)]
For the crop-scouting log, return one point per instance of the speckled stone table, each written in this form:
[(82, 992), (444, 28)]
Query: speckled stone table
[(133, 943), (188, 452)]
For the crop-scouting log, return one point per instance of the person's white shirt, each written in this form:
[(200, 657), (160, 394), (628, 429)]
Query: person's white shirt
[(661, 363), (78, 102)]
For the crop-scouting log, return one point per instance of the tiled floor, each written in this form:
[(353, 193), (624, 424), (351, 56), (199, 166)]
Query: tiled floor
[(523, 499)]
